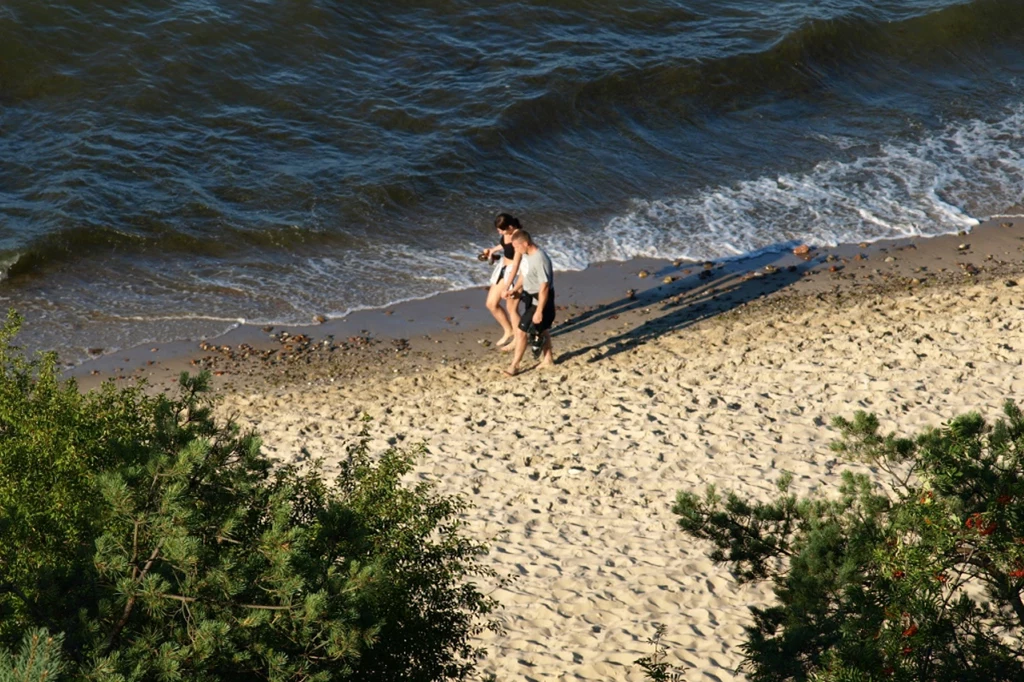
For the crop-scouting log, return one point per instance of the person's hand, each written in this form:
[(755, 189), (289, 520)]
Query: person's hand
[(538, 316)]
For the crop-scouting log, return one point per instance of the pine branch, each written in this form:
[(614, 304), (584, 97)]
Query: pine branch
[(130, 604), (193, 600)]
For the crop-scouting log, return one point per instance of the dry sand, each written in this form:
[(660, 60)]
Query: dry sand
[(573, 470)]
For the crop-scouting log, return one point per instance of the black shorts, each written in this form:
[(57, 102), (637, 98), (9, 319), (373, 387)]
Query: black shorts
[(547, 317)]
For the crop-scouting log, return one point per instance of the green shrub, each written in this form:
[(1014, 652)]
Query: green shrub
[(162, 545), (919, 579)]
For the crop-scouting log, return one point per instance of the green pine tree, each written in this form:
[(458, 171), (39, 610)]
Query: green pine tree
[(163, 545), (919, 579)]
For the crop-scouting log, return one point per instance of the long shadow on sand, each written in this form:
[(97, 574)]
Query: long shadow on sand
[(683, 302)]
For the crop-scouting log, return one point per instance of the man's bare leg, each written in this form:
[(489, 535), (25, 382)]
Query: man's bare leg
[(547, 358)]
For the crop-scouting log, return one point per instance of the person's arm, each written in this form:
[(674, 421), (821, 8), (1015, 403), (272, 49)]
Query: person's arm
[(542, 299), (515, 269)]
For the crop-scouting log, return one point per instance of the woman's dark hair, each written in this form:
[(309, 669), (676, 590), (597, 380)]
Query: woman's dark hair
[(504, 221)]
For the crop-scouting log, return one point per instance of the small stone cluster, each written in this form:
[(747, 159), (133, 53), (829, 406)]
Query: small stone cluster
[(291, 350)]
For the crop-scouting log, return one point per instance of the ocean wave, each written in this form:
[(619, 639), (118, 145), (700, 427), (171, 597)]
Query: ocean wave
[(76, 244), (939, 184), (802, 63)]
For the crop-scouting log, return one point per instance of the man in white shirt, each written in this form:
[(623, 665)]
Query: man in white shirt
[(536, 288)]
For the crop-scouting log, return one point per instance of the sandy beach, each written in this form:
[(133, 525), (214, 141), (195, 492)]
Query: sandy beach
[(728, 378)]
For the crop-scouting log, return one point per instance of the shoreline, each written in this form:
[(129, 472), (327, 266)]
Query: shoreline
[(455, 326)]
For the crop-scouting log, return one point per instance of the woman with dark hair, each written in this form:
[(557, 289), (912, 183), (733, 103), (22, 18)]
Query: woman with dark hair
[(503, 276)]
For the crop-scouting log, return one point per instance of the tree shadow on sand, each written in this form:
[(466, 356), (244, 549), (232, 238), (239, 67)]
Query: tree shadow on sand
[(713, 290)]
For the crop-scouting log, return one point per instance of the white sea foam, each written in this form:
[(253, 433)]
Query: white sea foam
[(931, 186), (234, 322), (5, 265)]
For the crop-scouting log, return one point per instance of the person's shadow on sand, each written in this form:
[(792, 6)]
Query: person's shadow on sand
[(683, 302)]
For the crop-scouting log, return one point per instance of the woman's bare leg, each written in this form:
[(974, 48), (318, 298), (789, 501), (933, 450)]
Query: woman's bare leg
[(513, 312), (494, 305), (513, 315), (517, 355)]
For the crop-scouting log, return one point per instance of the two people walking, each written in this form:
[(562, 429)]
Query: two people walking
[(503, 277), (524, 279)]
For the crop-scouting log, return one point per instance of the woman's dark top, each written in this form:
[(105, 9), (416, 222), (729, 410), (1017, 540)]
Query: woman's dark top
[(510, 251)]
